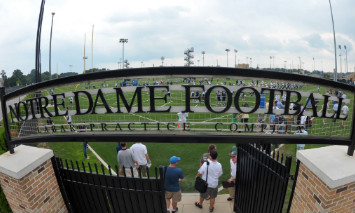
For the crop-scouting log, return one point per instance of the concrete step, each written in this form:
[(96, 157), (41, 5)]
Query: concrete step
[(187, 204)]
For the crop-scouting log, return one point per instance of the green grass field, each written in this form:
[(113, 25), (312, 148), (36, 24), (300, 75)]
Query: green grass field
[(159, 153)]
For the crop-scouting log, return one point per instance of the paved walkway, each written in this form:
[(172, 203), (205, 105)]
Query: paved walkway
[(187, 204)]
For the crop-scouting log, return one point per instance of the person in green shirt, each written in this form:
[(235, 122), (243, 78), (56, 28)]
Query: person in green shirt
[(235, 118)]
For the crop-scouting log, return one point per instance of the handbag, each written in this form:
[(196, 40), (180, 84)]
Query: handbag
[(200, 184), (227, 184)]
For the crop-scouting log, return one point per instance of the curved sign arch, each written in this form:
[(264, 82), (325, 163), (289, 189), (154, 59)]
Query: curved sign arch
[(220, 105)]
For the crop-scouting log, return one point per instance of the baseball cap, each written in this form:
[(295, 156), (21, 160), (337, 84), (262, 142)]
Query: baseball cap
[(233, 154), (174, 159)]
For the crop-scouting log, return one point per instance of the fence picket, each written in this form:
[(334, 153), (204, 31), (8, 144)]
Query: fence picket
[(261, 180)]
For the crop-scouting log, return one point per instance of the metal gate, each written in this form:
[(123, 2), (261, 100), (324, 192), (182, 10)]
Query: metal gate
[(261, 182), (89, 191)]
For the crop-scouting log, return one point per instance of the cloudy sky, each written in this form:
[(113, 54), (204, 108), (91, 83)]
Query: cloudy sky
[(290, 30)]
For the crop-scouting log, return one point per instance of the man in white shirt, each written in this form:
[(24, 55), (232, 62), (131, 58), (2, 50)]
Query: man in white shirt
[(69, 121), (182, 118), (233, 163), (335, 110), (214, 173), (345, 110), (141, 153)]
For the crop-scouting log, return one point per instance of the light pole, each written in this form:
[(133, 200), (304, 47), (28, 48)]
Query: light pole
[(162, 61), (270, 62), (340, 60), (123, 40), (251, 62), (314, 64), (335, 44), (84, 52), (300, 64), (227, 50), (203, 58), (235, 58), (346, 59), (50, 50)]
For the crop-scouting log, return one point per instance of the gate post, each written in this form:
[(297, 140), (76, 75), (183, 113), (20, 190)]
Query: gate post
[(326, 181), (28, 181)]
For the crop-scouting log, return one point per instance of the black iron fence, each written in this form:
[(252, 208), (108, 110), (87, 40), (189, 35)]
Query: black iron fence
[(262, 180), (87, 190)]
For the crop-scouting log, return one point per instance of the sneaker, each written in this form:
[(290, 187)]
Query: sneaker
[(173, 211), (197, 204), (229, 199)]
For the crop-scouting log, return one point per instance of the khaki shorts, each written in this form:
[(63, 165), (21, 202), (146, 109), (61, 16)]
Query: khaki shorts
[(143, 168), (211, 192), (176, 196)]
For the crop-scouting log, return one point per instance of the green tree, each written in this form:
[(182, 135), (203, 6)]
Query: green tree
[(45, 76), (4, 77), (17, 78), (32, 76)]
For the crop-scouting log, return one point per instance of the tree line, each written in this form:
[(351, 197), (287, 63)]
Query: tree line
[(18, 78)]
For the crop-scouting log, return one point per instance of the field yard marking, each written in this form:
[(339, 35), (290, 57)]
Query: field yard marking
[(216, 118), (135, 104), (144, 117), (166, 103), (101, 160)]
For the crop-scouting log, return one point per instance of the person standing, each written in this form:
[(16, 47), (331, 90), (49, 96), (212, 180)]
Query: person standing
[(71, 101), (214, 173), (233, 164), (182, 118), (51, 124), (141, 153), (345, 110), (69, 121), (83, 128), (301, 132), (206, 156), (118, 147), (335, 110), (127, 160), (173, 175)]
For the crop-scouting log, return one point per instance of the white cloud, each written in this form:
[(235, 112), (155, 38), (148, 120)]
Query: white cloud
[(257, 29)]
